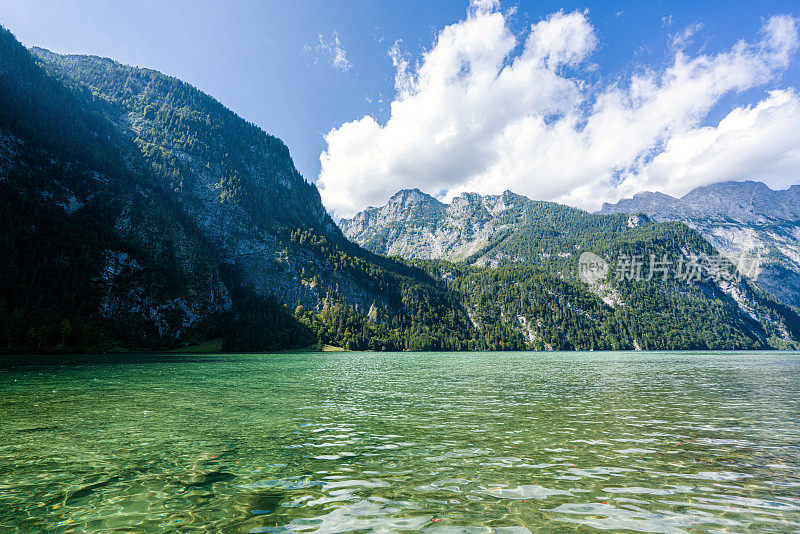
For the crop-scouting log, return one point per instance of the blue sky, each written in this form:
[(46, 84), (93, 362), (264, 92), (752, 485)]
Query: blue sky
[(273, 62)]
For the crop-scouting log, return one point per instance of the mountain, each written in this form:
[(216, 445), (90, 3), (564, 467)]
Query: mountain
[(140, 212), (517, 261), (493, 230), (743, 220)]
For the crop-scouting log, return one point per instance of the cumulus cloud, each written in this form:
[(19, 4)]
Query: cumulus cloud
[(332, 50), (486, 110), (760, 141)]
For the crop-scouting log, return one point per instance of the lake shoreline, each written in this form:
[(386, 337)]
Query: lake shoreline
[(178, 356)]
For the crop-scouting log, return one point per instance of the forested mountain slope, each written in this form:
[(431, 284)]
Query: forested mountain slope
[(140, 211), (89, 235), (492, 230), (513, 234), (741, 219)]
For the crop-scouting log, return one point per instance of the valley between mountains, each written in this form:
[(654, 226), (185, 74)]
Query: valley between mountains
[(139, 213)]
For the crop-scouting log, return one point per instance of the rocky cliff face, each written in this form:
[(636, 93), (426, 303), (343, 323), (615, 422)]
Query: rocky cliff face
[(235, 183), (145, 208), (415, 225), (88, 232), (747, 221)]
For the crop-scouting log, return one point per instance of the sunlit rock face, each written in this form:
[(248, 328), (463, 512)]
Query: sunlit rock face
[(235, 183), (415, 225), (747, 221)]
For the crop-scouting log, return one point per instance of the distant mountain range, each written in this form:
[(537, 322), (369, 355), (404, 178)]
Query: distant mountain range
[(486, 231), (741, 219), (509, 232)]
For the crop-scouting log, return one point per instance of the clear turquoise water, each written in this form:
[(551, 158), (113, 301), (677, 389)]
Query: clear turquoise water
[(446, 442)]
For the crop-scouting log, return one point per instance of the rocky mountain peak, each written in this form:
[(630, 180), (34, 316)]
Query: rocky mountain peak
[(643, 202), (410, 197), (467, 198)]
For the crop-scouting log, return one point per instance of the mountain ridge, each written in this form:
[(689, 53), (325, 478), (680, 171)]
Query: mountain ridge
[(512, 233), (742, 219), (743, 201)]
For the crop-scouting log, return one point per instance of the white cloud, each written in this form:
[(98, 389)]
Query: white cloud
[(757, 142), (485, 110), (684, 38), (484, 5), (332, 50)]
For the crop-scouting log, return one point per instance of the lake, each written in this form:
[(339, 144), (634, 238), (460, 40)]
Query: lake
[(445, 442)]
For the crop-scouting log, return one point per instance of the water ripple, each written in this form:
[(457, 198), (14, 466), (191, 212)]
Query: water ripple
[(447, 443)]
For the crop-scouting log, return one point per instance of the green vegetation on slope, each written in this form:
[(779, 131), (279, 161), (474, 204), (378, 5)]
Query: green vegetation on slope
[(532, 296), (179, 129)]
